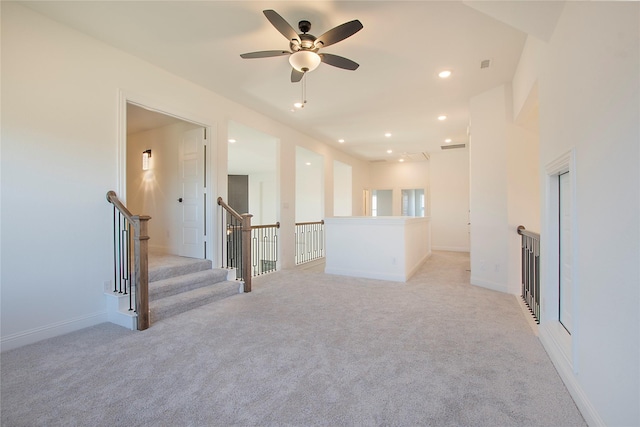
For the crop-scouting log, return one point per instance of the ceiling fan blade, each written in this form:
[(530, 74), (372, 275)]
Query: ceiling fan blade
[(265, 54), (338, 61), (338, 33), (281, 25), (296, 75)]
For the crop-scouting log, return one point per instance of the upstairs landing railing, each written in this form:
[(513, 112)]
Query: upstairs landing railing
[(264, 248), (531, 270), (309, 241), (250, 249), (131, 231)]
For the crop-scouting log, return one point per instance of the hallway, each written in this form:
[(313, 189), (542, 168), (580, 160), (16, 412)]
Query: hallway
[(304, 348)]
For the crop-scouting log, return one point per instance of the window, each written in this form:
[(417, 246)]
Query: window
[(413, 202)]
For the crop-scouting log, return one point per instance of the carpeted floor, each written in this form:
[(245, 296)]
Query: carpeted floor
[(303, 349)]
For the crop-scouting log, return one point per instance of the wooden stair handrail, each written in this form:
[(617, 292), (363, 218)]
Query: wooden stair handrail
[(112, 198), (524, 232), (140, 258), (229, 209), (311, 223)]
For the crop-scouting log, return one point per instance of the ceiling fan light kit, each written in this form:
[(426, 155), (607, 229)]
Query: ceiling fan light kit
[(304, 60)]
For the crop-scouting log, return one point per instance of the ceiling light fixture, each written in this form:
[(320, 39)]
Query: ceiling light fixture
[(442, 117), (341, 141), (232, 141), (448, 140), (308, 163), (389, 151), (401, 160), (388, 134), (304, 60), (444, 74), (298, 104)]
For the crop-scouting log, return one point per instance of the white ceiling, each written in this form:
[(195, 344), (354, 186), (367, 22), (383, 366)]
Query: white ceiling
[(400, 51)]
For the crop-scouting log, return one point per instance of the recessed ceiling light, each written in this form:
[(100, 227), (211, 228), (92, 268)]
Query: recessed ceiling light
[(401, 160), (444, 74), (389, 151), (232, 141), (442, 117), (388, 134), (341, 141), (448, 140), (308, 163), (298, 104)]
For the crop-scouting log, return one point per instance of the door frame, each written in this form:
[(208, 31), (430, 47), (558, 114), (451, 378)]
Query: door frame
[(210, 159), (557, 340)]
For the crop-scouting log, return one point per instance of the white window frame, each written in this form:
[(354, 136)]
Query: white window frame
[(558, 338)]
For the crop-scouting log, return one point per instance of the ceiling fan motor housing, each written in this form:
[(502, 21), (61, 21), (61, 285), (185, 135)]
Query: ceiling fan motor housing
[(307, 42)]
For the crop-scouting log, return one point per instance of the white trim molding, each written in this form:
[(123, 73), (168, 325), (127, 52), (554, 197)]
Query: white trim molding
[(558, 358), (52, 330), (211, 158), (559, 345)]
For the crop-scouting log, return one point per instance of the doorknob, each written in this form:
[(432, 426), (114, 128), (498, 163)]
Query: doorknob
[(180, 200)]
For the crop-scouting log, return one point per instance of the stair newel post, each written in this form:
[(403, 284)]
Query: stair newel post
[(141, 255), (246, 251)]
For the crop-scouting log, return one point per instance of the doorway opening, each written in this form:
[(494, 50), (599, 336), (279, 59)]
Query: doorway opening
[(171, 186)]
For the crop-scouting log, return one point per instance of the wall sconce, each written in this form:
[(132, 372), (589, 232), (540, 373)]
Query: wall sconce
[(146, 155)]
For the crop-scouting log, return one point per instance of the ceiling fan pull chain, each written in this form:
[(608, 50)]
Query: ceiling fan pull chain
[(304, 89)]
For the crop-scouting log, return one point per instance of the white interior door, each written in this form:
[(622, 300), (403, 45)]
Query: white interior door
[(191, 173), (565, 302)]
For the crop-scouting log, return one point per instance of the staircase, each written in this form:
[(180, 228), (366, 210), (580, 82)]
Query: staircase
[(185, 284), (177, 284)]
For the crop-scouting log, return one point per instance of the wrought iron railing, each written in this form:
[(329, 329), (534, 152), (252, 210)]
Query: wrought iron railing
[(264, 248), (531, 270), (309, 241), (131, 231), (236, 245)]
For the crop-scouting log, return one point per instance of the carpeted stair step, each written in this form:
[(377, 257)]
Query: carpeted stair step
[(185, 301), (188, 282), (185, 266)]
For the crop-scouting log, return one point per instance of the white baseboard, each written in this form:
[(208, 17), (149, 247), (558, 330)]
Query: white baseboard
[(30, 336), (488, 284), (531, 321), (564, 369), (366, 274), (418, 265), (450, 248)]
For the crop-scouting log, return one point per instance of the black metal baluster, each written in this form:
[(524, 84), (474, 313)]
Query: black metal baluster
[(115, 252)]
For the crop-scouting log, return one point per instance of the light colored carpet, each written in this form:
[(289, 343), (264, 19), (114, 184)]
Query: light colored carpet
[(303, 349)]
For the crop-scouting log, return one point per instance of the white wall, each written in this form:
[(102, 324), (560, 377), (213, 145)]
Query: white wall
[(263, 198), (488, 189), (385, 248), (449, 172), (309, 186), (398, 176), (60, 155), (523, 195), (504, 190), (589, 102), (342, 189), (525, 78)]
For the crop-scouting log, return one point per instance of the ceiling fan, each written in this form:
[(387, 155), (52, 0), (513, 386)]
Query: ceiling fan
[(303, 53)]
